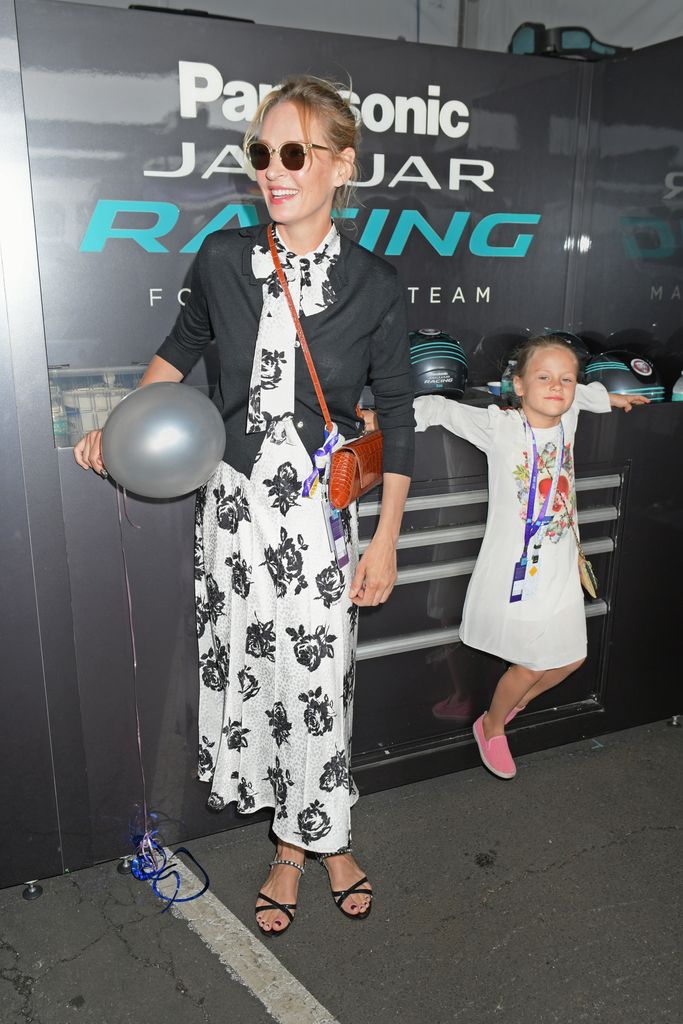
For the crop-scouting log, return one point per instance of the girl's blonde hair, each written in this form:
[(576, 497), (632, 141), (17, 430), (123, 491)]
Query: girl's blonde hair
[(523, 354), (319, 98)]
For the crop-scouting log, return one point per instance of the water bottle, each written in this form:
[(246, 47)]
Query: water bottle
[(507, 390), (60, 425), (677, 391)]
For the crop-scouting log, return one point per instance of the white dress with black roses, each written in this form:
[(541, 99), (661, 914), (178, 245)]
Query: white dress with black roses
[(277, 636)]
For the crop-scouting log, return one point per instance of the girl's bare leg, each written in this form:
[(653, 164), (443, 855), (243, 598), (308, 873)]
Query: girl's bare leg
[(512, 687), (516, 688), (550, 678)]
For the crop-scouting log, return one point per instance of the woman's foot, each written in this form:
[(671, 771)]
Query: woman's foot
[(281, 886), (345, 874)]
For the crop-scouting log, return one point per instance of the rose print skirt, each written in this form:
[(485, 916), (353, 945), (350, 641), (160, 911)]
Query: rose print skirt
[(277, 637)]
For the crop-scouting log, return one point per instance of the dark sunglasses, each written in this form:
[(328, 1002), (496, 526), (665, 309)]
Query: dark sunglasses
[(292, 154)]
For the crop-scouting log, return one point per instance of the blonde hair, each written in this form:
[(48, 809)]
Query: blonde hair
[(322, 99), (526, 350)]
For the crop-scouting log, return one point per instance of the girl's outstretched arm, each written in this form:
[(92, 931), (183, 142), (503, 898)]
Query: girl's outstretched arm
[(592, 398), (475, 425), (626, 402)]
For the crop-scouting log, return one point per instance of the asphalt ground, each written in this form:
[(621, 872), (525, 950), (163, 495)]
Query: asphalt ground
[(554, 898)]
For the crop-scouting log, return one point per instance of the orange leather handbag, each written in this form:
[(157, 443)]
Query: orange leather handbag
[(356, 466)]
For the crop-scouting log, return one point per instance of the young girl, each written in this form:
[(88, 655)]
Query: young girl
[(524, 602)]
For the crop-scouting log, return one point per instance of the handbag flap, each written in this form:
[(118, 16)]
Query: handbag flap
[(367, 451)]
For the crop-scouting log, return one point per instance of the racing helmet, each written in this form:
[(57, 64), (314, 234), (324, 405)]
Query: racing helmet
[(626, 373), (438, 363)]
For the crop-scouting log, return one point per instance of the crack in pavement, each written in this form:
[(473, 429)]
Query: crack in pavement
[(559, 864)]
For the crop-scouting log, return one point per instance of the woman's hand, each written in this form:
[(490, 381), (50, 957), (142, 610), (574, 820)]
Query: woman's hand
[(376, 574), (88, 452), (626, 402), (370, 421)]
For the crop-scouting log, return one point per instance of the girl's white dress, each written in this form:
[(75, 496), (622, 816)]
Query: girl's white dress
[(547, 630)]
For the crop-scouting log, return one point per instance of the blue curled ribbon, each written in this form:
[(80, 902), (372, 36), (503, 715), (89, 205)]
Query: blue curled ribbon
[(150, 864), (321, 460)]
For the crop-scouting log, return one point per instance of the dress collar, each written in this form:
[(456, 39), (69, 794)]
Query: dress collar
[(337, 272)]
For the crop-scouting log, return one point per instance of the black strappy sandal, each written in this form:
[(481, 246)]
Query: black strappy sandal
[(287, 908), (342, 894)]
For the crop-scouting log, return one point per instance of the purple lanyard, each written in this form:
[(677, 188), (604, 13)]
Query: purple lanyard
[(532, 526)]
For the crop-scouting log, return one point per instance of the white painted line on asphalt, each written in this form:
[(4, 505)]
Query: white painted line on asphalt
[(245, 957)]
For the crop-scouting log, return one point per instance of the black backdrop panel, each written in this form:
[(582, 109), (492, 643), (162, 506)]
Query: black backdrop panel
[(104, 109), (29, 822), (117, 228), (634, 272)]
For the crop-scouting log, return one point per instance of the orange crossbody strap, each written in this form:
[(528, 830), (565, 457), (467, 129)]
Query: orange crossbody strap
[(299, 329)]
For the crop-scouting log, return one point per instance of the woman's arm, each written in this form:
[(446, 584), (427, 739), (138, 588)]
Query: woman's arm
[(376, 573), (160, 371), (88, 451), (181, 349), (390, 378)]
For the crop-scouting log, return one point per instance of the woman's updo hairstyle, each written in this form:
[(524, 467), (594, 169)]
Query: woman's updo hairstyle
[(316, 97), (526, 350)]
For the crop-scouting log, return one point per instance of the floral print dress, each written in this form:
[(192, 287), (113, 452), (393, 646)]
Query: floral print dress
[(277, 638), (548, 630), (276, 628)]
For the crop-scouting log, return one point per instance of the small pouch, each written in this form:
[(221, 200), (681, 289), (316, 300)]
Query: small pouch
[(356, 468), (589, 580)]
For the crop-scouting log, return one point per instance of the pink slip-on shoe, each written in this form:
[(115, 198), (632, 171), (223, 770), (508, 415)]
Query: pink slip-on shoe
[(453, 709), (495, 752), (511, 714)]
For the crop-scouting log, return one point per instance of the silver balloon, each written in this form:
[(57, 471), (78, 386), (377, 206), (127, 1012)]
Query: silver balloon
[(163, 440)]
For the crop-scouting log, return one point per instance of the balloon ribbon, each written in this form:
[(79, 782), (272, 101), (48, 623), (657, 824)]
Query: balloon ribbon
[(150, 862)]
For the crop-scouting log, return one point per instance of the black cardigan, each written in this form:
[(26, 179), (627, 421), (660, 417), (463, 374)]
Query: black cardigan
[(361, 338)]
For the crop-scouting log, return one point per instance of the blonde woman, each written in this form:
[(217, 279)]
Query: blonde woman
[(276, 614)]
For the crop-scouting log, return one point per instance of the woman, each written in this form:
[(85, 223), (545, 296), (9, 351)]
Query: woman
[(276, 614)]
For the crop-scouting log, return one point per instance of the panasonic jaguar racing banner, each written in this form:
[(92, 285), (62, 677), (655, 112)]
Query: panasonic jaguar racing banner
[(135, 122)]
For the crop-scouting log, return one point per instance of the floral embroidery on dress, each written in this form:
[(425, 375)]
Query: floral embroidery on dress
[(261, 640), (245, 798), (249, 684), (285, 488), (285, 563), (205, 756), (311, 648), (280, 726), (231, 509), (208, 609), (241, 574), (271, 368), (318, 715), (236, 734), (349, 683), (281, 780), (215, 802), (335, 772), (547, 460), (330, 584), (215, 668), (314, 823)]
